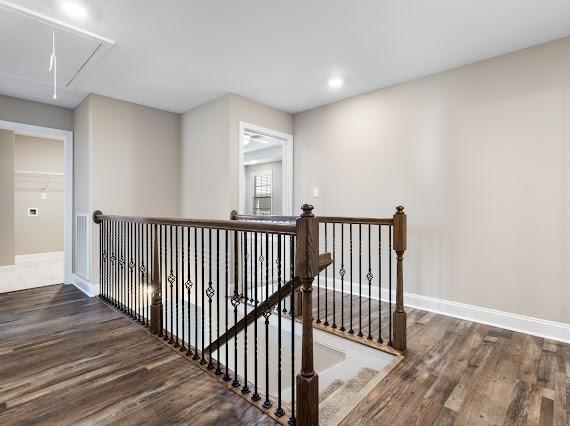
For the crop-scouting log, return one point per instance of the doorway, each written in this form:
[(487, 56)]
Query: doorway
[(266, 171), (36, 185)]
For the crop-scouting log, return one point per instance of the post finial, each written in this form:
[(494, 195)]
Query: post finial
[(307, 210), (96, 215), (233, 214), (400, 209)]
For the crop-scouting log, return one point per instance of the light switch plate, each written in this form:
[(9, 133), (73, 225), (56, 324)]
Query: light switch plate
[(316, 192)]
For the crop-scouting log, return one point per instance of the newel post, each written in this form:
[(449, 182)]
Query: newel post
[(400, 237), (307, 268), (156, 290)]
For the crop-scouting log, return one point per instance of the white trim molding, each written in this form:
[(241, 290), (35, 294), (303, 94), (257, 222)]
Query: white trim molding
[(39, 256), (287, 166), (85, 286), (67, 137), (514, 322)]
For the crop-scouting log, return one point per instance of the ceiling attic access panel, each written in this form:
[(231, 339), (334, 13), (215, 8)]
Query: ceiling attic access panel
[(26, 47)]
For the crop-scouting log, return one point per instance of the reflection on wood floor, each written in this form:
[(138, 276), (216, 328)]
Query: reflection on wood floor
[(69, 359)]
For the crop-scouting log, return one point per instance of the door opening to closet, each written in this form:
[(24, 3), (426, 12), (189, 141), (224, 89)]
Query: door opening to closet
[(33, 252)]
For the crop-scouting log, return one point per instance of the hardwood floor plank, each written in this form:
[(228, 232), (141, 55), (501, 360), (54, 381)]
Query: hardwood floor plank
[(66, 359)]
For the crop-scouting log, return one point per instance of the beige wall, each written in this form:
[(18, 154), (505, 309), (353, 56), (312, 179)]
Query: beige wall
[(135, 167), (6, 197), (204, 161), (35, 113), (252, 112), (210, 150), (43, 233), (480, 158), (126, 162)]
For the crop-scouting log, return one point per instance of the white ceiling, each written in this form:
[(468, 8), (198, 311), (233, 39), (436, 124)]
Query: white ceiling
[(177, 54)]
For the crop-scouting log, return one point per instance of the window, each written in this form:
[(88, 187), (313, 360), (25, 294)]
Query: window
[(262, 191)]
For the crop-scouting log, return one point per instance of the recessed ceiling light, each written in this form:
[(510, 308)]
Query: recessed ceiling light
[(74, 10), (336, 82)]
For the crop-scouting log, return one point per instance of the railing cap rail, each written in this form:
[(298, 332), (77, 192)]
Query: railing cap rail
[(230, 225), (322, 219)]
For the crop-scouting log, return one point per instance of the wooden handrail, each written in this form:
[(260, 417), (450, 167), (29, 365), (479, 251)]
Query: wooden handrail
[(325, 259), (231, 225), (320, 219)]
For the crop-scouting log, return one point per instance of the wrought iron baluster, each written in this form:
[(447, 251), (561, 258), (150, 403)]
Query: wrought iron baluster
[(132, 270), (235, 303), (138, 272), (203, 281), (147, 242), (351, 330), (267, 403), (226, 298), (182, 305), (171, 281), (255, 396), (390, 283), (251, 264), (188, 286), (245, 387), (196, 356), (273, 262), (123, 266), (101, 260), (318, 296), (177, 281), (210, 294), (360, 280), (127, 267), (218, 355), (132, 294), (342, 272), (114, 260), (279, 411), (326, 281), (284, 270), (334, 274), (292, 419), (369, 277), (158, 230), (165, 269)]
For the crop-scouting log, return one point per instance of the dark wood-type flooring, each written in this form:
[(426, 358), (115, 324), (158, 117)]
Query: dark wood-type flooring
[(458, 372), (69, 359)]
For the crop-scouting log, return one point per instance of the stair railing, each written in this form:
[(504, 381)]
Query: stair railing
[(189, 282), (356, 298)]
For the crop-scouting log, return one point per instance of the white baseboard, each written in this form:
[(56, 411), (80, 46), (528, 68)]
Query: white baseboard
[(85, 286), (39, 256), (7, 268), (523, 324)]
